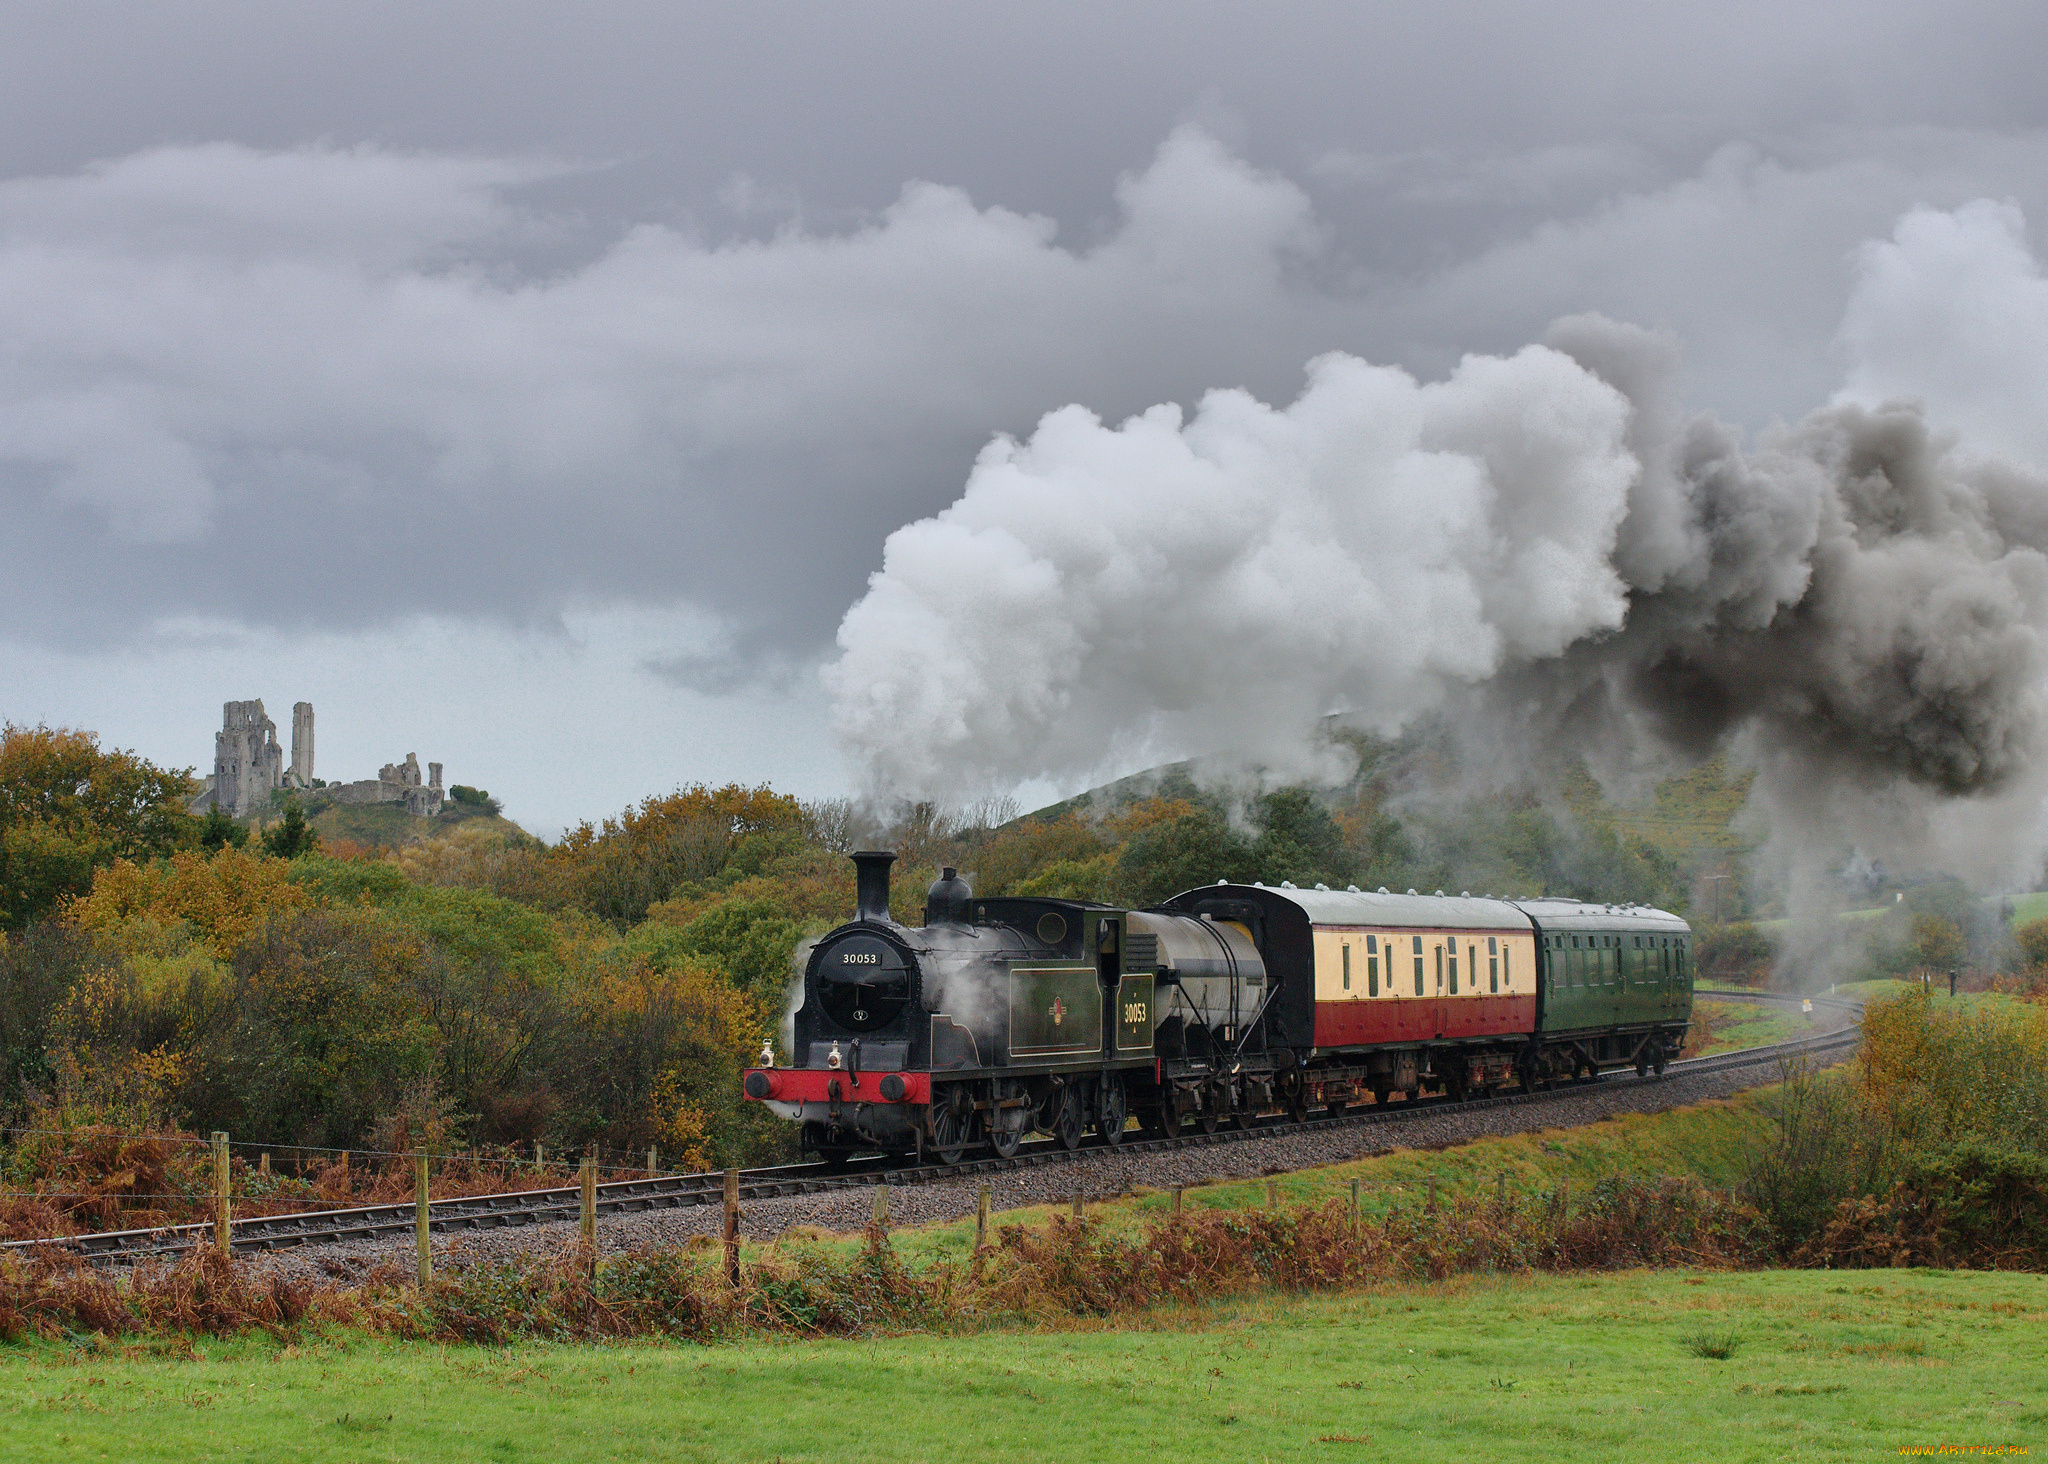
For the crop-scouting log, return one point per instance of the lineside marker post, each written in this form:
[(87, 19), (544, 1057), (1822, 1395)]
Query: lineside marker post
[(1077, 1204), (650, 1163), (540, 1156), (881, 1215), (223, 1200), (732, 1228), (981, 1218), (588, 1177), (1176, 1204), (422, 1236)]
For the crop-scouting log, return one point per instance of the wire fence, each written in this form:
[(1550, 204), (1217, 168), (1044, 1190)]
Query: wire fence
[(504, 1158)]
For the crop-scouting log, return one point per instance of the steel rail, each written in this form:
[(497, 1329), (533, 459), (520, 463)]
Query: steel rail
[(631, 1196)]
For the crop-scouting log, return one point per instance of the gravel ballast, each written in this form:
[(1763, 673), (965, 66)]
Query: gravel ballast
[(1101, 1174)]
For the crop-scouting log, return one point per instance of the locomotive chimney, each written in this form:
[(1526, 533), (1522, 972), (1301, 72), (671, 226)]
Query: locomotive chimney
[(871, 885)]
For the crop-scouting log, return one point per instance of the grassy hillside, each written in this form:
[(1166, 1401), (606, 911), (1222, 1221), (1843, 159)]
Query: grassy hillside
[(1689, 817), (387, 825)]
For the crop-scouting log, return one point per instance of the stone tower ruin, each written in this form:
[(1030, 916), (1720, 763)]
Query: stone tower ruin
[(247, 762), (302, 745), (248, 766)]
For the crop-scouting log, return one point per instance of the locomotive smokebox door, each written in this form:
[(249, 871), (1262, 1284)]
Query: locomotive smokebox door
[(866, 983)]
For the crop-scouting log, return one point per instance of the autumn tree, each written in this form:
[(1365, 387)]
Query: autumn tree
[(686, 838), (67, 809)]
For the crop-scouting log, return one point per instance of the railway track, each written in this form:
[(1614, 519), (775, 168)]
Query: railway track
[(623, 1197)]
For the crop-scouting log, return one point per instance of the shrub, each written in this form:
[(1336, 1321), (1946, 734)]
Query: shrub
[(1975, 1206), (1739, 953)]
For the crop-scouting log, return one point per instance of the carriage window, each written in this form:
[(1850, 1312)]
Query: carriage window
[(1506, 978), (1347, 965), (1454, 968), (1492, 972), (1418, 965), (1372, 974)]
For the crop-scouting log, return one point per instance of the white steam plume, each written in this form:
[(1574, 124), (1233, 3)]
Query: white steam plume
[(1100, 594), (1545, 544)]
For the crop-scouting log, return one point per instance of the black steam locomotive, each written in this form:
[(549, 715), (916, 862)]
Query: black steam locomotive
[(1000, 1017)]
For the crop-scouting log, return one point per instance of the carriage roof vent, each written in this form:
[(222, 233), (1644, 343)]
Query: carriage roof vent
[(1286, 884), (1355, 890), (1383, 890), (1439, 894), (1223, 881), (1464, 894), (1411, 891), (1322, 886)]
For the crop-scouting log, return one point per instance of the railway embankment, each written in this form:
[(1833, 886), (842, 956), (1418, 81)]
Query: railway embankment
[(1098, 1175)]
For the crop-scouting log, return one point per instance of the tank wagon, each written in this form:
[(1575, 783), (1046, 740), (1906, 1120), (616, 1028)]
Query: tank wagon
[(998, 1018)]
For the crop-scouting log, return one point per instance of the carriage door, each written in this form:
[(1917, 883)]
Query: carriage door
[(1438, 1003)]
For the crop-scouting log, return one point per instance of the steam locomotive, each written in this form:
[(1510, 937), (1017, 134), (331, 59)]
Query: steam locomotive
[(998, 1018)]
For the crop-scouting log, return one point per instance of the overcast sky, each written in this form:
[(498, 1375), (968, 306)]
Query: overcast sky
[(533, 386)]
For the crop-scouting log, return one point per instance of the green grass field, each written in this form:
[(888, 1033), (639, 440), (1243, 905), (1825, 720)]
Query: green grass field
[(1822, 1365), (1740, 1024)]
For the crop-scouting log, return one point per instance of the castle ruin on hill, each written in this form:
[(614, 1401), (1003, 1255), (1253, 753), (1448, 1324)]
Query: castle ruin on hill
[(249, 765)]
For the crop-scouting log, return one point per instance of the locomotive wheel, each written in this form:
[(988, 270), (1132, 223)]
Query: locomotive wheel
[(1070, 1117), (1005, 1142), (952, 1132), (1642, 1067), (1210, 1120), (1111, 1111), (1657, 1067), (1165, 1119)]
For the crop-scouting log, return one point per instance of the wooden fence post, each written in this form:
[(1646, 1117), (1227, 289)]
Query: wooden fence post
[(732, 1228), (224, 1204), (650, 1163), (263, 1162), (540, 1156), (881, 1216), (981, 1218), (589, 1183), (1077, 1204), (1176, 1204), (422, 1234)]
